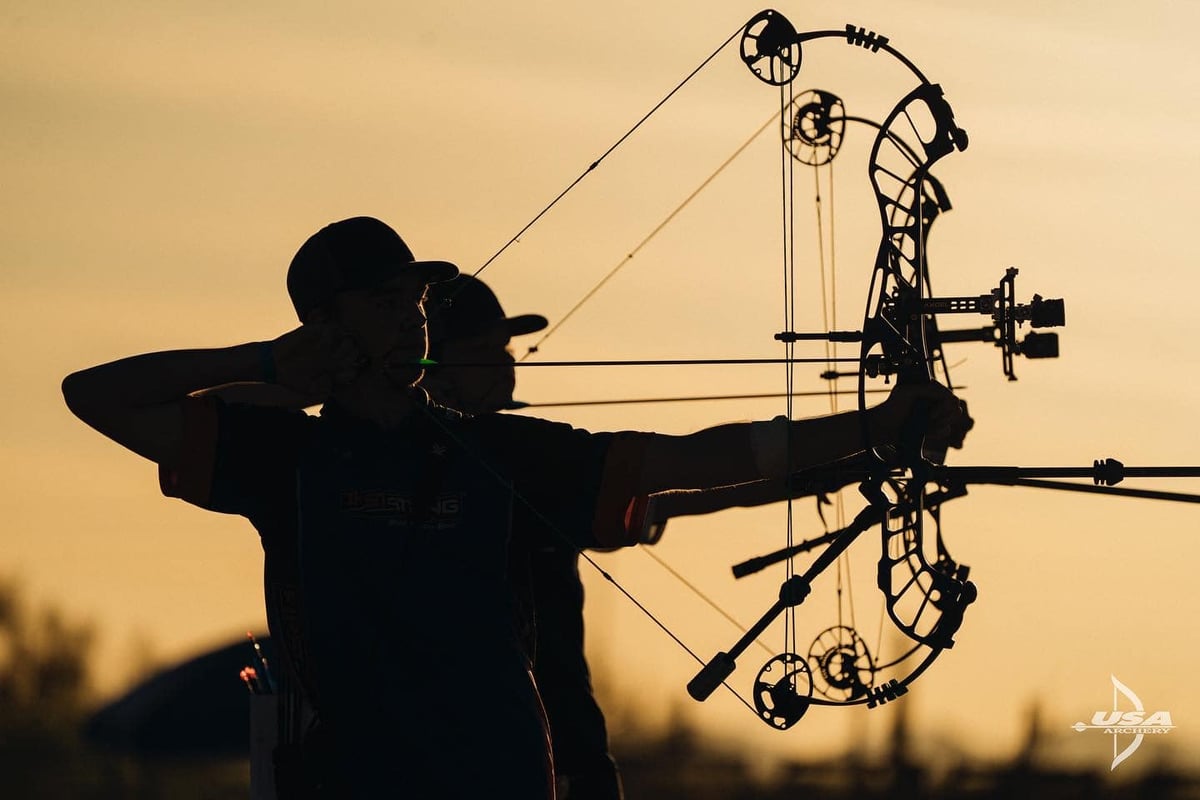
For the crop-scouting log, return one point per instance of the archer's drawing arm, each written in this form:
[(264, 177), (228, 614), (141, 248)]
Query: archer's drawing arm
[(138, 401), (258, 393)]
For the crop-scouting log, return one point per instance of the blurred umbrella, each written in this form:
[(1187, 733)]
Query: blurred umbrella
[(197, 709)]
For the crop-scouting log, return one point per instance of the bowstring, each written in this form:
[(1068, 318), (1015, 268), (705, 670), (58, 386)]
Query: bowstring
[(628, 257), (736, 623), (567, 541), (840, 498), (827, 270), (513, 240), (787, 188), (517, 236)]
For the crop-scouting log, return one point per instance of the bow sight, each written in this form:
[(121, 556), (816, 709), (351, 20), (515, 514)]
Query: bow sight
[(1007, 316), (1000, 304)]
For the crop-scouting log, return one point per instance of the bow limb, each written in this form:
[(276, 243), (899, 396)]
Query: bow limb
[(924, 600)]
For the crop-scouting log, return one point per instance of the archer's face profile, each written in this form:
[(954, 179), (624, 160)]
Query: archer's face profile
[(387, 322), (478, 376)]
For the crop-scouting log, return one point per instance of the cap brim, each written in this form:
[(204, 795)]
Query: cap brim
[(437, 271), (525, 323)]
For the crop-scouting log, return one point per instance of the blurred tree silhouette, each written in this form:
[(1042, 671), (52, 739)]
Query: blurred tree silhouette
[(43, 663), (43, 690), (45, 696)]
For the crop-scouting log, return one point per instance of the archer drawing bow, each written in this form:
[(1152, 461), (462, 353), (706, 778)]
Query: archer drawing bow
[(900, 340)]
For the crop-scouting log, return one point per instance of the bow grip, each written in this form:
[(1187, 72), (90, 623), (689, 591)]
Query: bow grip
[(912, 432)]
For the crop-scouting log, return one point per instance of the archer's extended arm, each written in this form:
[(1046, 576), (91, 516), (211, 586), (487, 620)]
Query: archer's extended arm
[(653, 512), (695, 502), (741, 453)]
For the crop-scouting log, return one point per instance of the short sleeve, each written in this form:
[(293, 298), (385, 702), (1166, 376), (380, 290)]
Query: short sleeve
[(569, 483), (235, 459)]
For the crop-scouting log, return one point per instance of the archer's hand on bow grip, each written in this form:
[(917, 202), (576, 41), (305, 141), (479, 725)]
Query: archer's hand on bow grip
[(951, 430), (924, 418)]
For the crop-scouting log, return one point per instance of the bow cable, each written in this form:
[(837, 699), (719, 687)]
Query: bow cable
[(567, 541), (516, 237), (650, 236)]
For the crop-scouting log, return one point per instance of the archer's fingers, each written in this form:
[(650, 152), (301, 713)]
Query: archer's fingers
[(950, 424)]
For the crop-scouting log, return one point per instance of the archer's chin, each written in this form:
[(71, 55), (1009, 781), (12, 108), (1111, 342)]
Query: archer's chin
[(403, 377)]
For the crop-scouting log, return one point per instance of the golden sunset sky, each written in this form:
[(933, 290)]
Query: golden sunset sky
[(161, 162)]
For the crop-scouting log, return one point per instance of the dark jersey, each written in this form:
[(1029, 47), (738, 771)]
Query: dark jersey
[(400, 620), (577, 725)]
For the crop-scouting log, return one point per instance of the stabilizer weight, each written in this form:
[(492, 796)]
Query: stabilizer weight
[(711, 676)]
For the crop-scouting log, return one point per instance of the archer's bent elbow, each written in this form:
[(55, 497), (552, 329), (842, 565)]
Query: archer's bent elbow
[(79, 390), (89, 395), (153, 431)]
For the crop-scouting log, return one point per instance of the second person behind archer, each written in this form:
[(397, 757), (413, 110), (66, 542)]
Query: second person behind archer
[(470, 333)]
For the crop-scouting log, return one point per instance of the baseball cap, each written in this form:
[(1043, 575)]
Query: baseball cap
[(466, 306), (355, 253)]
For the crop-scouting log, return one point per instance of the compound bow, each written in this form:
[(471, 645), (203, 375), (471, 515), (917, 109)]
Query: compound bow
[(900, 340)]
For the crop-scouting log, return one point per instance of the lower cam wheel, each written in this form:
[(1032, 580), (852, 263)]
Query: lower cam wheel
[(845, 669), (783, 690)]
